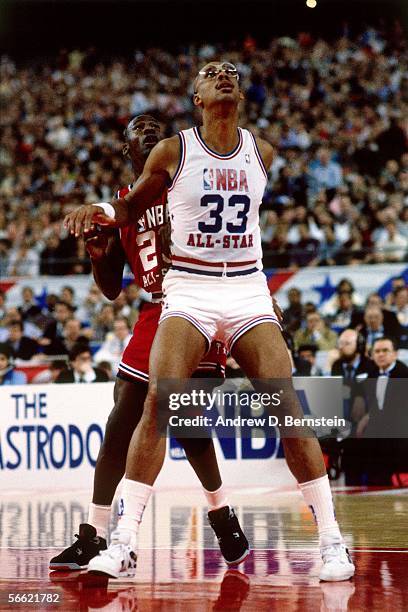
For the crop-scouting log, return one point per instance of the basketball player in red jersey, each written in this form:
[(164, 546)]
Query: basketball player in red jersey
[(216, 174), (142, 246)]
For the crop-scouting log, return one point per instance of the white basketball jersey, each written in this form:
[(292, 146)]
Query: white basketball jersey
[(213, 204)]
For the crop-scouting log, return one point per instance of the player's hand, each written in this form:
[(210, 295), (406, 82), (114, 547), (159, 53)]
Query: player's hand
[(81, 220), (277, 309)]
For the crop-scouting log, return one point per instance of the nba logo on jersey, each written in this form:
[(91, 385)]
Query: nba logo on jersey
[(207, 178), (121, 507), (247, 158)]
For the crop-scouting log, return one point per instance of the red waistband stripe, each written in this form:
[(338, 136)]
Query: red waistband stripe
[(213, 264)]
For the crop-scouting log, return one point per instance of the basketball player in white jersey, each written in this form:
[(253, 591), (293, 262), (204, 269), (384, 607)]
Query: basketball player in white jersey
[(216, 175)]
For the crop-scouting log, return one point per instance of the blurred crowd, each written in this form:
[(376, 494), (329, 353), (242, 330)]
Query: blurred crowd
[(65, 341), (89, 336), (336, 113)]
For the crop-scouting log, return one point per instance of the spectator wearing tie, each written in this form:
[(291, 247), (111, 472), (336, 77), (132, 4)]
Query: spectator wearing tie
[(375, 326), (386, 410), (81, 369), (352, 361), (115, 343), (384, 425)]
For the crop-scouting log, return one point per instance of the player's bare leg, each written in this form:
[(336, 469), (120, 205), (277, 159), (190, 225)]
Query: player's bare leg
[(176, 352), (110, 466), (262, 354), (129, 397)]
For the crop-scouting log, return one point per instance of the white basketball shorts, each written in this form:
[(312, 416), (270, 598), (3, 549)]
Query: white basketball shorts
[(220, 308)]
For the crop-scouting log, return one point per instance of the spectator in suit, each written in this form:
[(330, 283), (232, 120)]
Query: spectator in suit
[(390, 318), (103, 322), (81, 369), (400, 309), (375, 326), (74, 334), (8, 375), (307, 352), (24, 348), (400, 306), (347, 314), (317, 333), (384, 424), (28, 309), (53, 337), (387, 415), (352, 360)]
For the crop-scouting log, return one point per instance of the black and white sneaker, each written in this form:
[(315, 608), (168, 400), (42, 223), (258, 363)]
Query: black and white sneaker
[(77, 556), (233, 543)]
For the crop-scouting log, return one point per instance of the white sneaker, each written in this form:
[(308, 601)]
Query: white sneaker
[(118, 560), (337, 563)]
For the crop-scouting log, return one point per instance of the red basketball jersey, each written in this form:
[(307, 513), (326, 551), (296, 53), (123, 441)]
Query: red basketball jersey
[(144, 247)]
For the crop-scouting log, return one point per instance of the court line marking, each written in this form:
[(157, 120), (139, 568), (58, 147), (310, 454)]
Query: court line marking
[(256, 550)]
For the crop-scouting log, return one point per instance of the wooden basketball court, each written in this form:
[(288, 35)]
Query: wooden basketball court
[(180, 567)]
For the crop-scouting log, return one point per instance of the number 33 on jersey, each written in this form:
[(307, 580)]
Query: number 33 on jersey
[(213, 204)]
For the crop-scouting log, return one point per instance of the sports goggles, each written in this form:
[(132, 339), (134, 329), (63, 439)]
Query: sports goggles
[(212, 71)]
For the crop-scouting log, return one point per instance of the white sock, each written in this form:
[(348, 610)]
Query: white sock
[(99, 517), (216, 499), (317, 494), (135, 496)]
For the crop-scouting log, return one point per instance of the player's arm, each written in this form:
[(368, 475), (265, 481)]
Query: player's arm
[(159, 169), (267, 152), (108, 261)]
